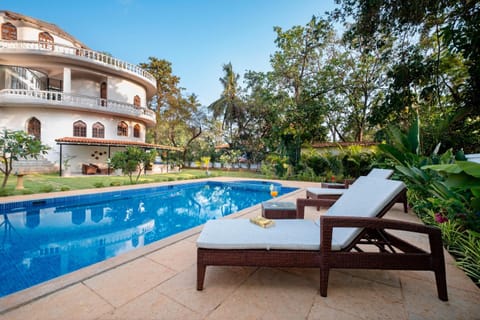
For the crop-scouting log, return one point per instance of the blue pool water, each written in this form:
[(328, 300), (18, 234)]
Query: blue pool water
[(44, 239)]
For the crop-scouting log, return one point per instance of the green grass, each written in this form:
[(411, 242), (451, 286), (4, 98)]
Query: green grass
[(45, 183)]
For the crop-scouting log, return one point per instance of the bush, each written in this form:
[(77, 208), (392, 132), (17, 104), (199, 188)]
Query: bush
[(351, 162), (48, 188)]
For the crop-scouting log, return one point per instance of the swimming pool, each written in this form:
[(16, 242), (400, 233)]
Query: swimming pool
[(47, 238)]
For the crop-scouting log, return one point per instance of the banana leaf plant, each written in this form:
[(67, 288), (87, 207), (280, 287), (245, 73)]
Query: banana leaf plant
[(461, 176)]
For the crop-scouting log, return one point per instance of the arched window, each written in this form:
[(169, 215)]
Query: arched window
[(9, 31), (136, 101), (46, 40), (136, 131), (98, 130), (122, 129), (79, 129), (103, 94), (34, 128)]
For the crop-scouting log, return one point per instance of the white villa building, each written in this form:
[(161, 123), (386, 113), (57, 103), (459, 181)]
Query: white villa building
[(85, 105)]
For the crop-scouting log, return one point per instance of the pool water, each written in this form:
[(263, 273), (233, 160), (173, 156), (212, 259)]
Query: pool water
[(44, 239)]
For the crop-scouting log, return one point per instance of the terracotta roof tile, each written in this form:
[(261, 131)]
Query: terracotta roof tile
[(110, 142)]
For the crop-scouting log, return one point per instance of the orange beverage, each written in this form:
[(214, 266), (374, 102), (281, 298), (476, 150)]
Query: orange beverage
[(274, 193)]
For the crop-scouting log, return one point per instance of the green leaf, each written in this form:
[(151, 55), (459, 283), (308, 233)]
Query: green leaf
[(471, 168), (393, 153), (448, 168)]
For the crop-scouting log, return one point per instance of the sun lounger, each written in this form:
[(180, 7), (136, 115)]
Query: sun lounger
[(331, 193), (321, 244)]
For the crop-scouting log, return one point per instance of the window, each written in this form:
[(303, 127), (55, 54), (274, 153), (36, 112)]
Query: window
[(103, 94), (46, 40), (136, 131), (122, 129), (136, 101), (98, 130), (79, 129), (34, 128), (9, 31)]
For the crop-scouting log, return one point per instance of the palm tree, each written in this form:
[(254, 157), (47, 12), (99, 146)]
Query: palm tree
[(230, 106)]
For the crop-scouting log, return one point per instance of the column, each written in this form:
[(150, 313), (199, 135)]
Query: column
[(67, 80)]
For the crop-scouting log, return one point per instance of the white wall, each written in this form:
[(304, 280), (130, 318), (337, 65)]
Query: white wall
[(57, 123), (85, 87), (124, 91)]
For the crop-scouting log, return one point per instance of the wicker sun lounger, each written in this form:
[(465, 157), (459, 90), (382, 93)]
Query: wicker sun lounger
[(331, 192), (320, 244)]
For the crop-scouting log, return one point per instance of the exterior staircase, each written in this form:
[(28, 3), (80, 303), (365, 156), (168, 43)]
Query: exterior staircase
[(32, 165)]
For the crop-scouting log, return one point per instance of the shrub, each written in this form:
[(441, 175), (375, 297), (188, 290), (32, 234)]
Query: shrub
[(47, 188)]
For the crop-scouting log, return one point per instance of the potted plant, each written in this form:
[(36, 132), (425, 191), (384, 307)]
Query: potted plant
[(66, 165)]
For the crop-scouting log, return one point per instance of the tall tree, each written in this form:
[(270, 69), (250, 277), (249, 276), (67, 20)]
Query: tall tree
[(185, 122), (230, 106), (296, 66), (168, 91), (438, 55), (363, 85), (179, 119)]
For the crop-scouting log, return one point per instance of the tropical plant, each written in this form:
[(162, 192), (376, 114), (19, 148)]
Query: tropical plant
[(132, 161), (461, 182), (229, 106), (442, 191), (16, 145)]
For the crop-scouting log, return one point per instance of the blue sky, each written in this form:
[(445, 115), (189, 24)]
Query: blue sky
[(196, 36)]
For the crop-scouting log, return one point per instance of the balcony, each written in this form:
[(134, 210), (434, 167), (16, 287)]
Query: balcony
[(80, 54), (63, 100)]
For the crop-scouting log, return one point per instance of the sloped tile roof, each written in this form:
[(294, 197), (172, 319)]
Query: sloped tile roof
[(115, 143)]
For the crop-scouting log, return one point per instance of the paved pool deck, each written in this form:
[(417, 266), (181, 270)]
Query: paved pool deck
[(159, 282)]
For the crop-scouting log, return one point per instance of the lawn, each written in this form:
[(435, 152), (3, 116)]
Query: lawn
[(44, 183)]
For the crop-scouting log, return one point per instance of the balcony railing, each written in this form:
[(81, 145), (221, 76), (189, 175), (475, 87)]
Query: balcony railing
[(94, 56), (78, 102)]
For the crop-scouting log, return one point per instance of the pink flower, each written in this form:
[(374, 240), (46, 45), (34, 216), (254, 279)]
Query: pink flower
[(440, 218)]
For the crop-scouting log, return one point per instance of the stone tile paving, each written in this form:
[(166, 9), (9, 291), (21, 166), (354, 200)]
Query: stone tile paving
[(159, 282)]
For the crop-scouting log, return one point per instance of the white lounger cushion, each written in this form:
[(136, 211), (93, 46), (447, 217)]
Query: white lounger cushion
[(380, 173), (374, 173), (242, 234), (366, 198), (326, 191)]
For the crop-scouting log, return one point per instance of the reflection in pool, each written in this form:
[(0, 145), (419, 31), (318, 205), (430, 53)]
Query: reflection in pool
[(44, 239)]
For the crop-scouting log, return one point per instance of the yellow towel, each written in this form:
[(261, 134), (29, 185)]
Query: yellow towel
[(262, 222)]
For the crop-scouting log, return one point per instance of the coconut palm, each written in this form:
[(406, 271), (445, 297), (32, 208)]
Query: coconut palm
[(230, 106)]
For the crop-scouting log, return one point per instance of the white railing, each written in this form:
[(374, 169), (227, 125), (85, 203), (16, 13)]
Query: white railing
[(81, 53), (78, 101)]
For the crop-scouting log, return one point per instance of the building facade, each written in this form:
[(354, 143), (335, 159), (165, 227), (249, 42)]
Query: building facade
[(83, 104)]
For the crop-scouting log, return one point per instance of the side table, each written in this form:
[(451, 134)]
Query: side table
[(279, 210)]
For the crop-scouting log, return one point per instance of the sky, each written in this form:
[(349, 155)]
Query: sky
[(197, 36)]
